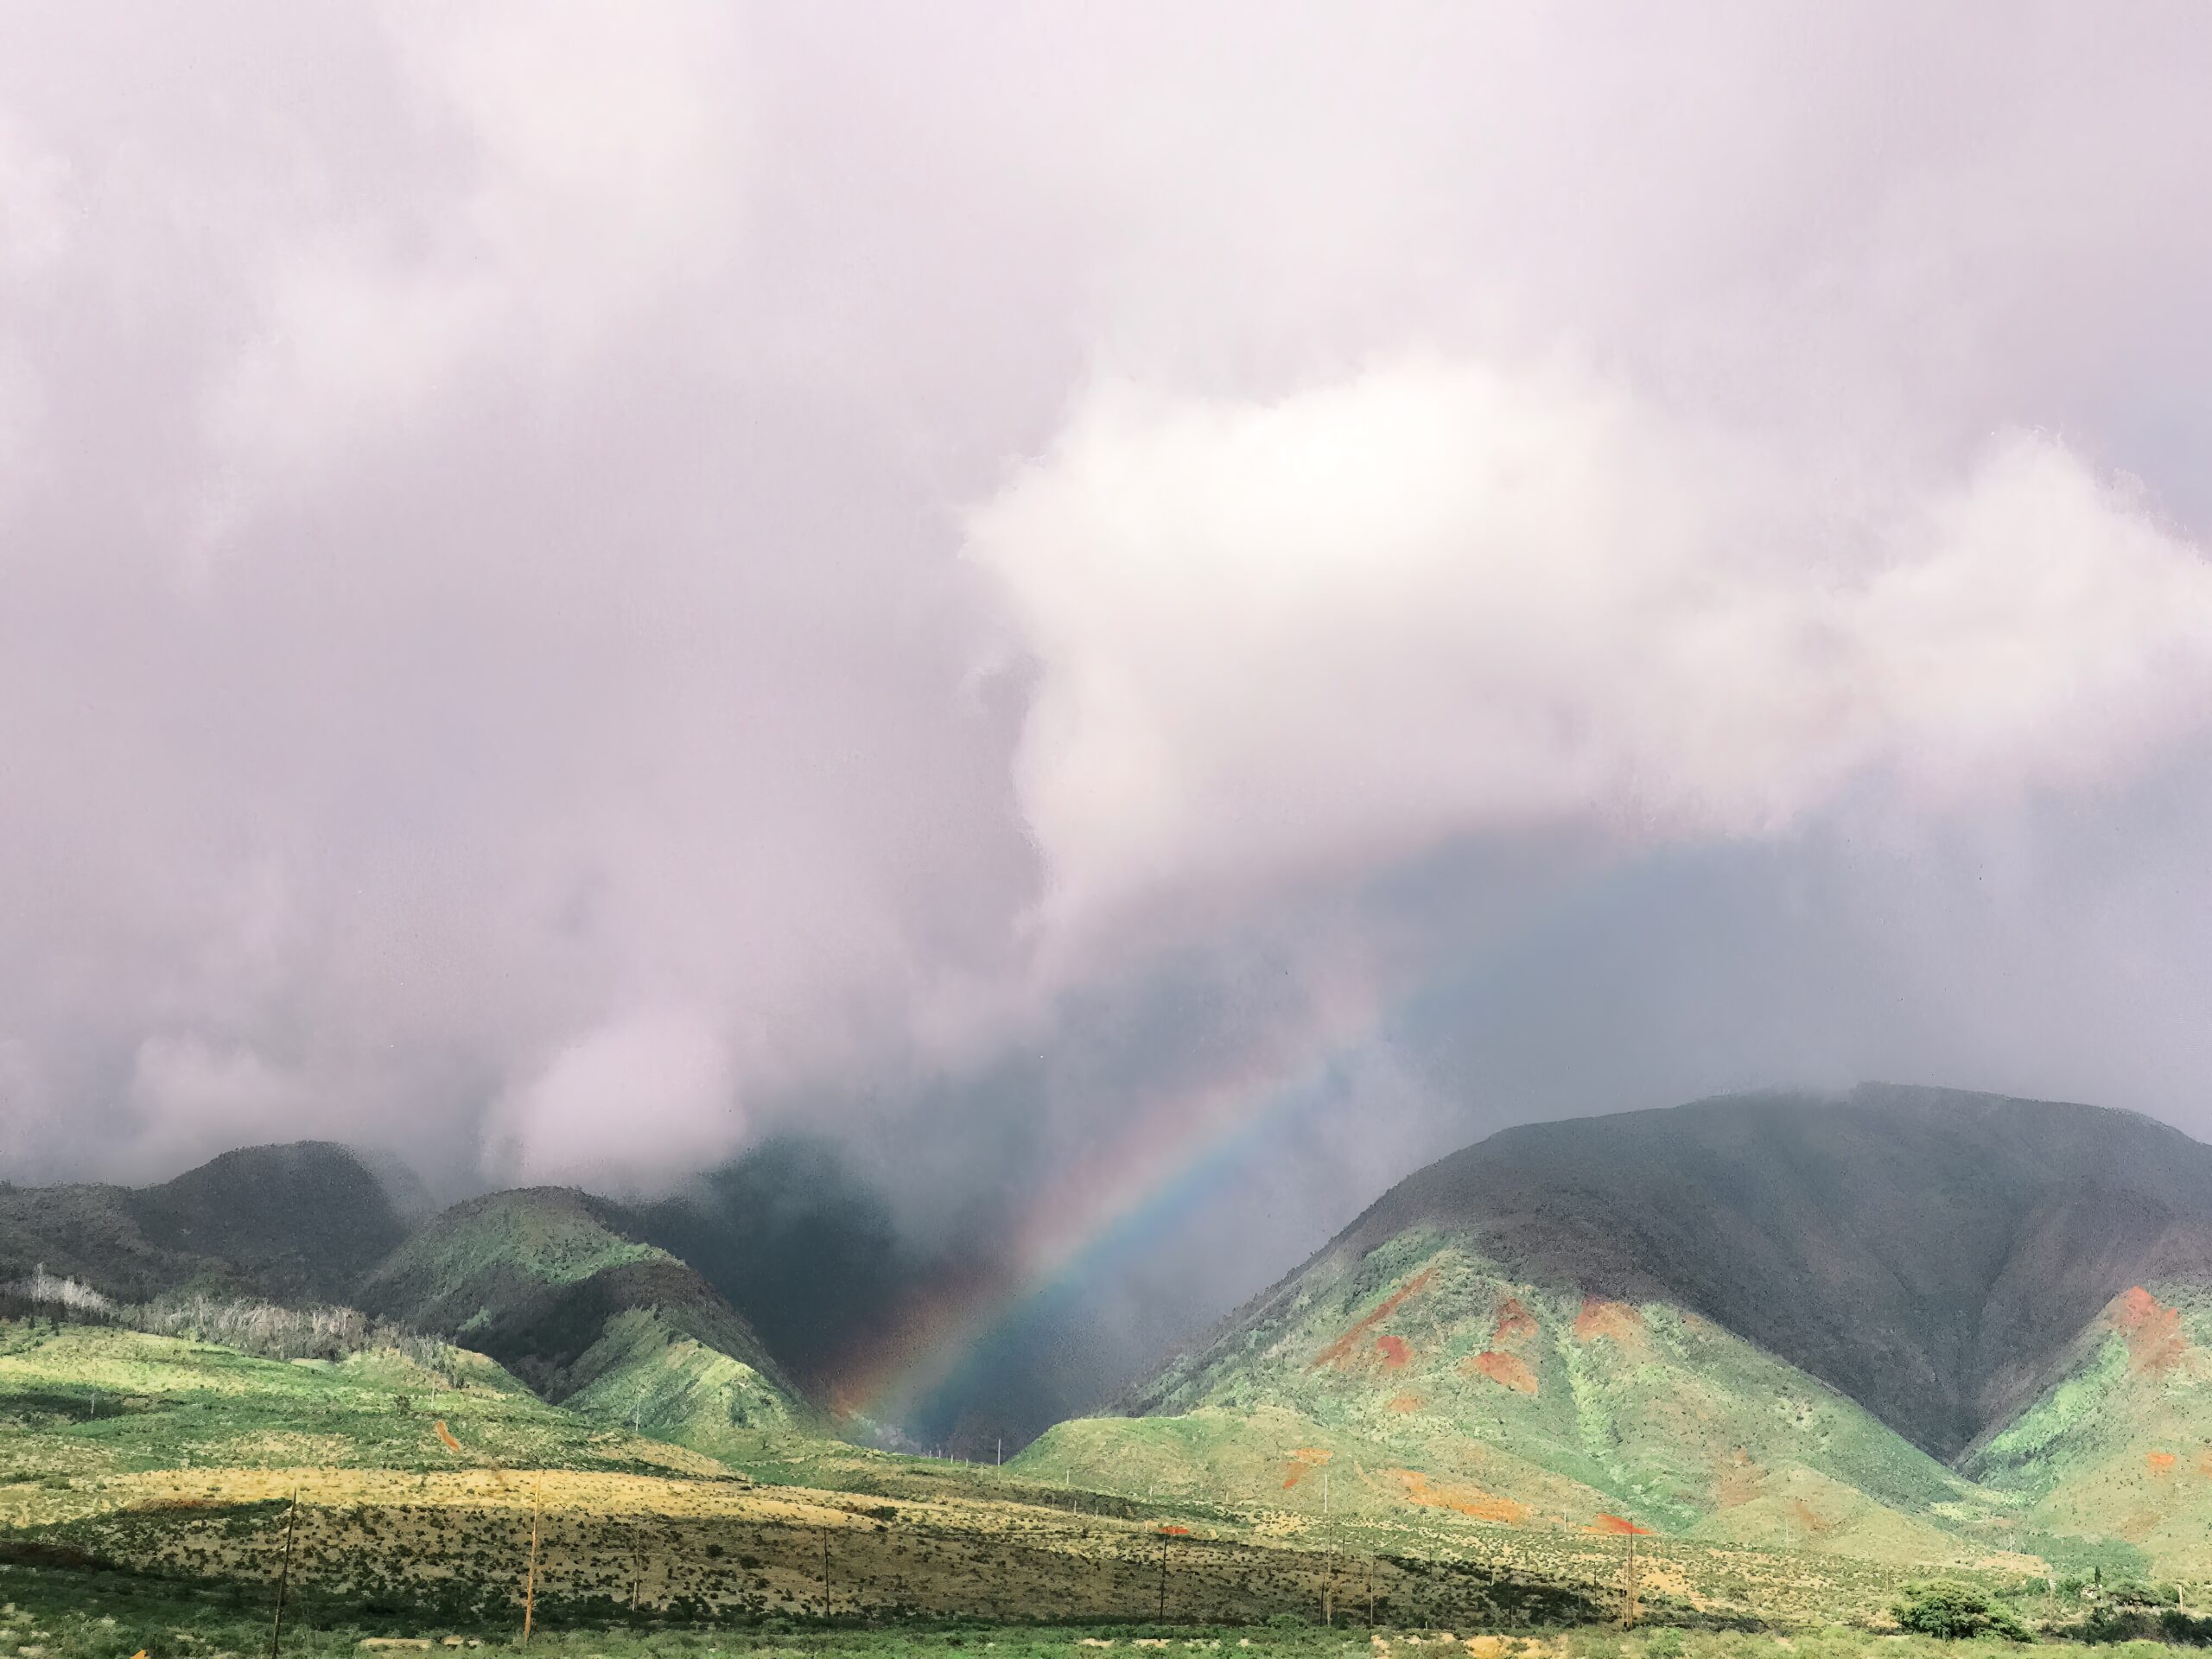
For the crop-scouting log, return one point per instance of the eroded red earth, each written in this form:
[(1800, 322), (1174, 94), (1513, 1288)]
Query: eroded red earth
[(2150, 1329), (1507, 1371), (1617, 1320), (1453, 1494), (1346, 1346)]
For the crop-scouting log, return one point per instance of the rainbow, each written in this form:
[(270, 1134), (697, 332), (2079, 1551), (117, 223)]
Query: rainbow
[(1157, 1164)]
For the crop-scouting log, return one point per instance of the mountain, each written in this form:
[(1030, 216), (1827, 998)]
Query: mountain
[(1768, 1318), (2116, 1450), (1928, 1252), (546, 1281), (297, 1223), (538, 1279), (788, 1234)]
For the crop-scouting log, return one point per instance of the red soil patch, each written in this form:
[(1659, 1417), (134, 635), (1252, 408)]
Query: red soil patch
[(445, 1434), (2153, 1331), (1450, 1495), (1508, 1371), (1809, 1517), (1404, 1403), (1514, 1322), (1618, 1524), (1176, 1532), (1341, 1349), (1618, 1320), (1395, 1351), (2159, 1463), (1303, 1462)]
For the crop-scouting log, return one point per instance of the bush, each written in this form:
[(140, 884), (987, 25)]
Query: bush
[(1955, 1612)]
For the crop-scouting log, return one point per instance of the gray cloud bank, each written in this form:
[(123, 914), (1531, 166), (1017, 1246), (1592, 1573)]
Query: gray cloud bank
[(578, 583)]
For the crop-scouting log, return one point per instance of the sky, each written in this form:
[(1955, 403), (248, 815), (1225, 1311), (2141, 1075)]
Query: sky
[(1141, 616)]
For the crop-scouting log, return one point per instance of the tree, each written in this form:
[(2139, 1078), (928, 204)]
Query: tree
[(1954, 1612)]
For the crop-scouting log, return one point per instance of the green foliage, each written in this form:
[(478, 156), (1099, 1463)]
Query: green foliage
[(81, 1400), (1953, 1613), (536, 1279), (1465, 1390)]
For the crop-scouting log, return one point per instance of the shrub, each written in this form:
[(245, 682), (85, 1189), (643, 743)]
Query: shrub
[(1955, 1612)]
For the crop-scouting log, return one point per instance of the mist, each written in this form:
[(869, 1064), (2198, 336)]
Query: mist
[(1140, 619)]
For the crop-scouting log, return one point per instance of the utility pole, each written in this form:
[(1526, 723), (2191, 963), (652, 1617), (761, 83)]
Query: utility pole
[(1163, 1578), (284, 1574), (1329, 1587), (1002, 1451), (825, 1572), (530, 1577)]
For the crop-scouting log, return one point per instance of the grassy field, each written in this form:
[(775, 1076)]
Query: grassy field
[(62, 1613), (136, 1464)]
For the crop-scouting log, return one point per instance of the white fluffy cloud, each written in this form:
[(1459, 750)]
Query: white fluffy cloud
[(1281, 638), (652, 1091)]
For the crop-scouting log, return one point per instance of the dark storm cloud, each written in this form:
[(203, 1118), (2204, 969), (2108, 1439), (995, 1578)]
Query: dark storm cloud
[(579, 582)]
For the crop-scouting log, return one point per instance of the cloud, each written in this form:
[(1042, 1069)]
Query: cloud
[(666, 1075), (598, 166), (1326, 631)]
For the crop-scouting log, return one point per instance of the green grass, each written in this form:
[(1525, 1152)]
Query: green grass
[(183, 1471), (586, 1316), (2112, 1461), (1510, 1401), (79, 1402), (451, 1274), (77, 1615), (649, 1373)]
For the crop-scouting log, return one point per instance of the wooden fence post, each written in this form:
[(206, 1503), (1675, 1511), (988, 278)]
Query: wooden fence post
[(530, 1578), (284, 1574)]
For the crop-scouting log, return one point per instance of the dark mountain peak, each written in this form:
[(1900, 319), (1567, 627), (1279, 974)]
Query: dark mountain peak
[(304, 1219), (300, 1222), (1928, 1251)]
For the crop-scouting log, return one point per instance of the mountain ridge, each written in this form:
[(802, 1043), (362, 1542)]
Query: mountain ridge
[(1632, 1302)]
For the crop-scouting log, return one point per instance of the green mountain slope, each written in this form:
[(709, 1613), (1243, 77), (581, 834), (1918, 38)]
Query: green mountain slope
[(86, 1401), (1421, 1377), (1761, 1319), (538, 1280), (1928, 1252), (2116, 1450), (297, 1222)]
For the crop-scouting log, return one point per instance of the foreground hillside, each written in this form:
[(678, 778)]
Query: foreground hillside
[(1759, 1321), (164, 1462)]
